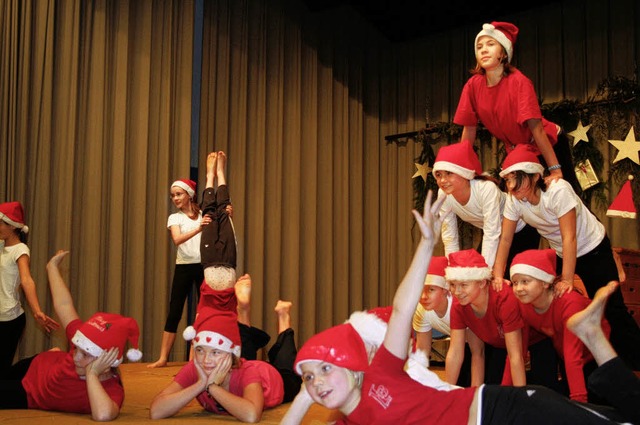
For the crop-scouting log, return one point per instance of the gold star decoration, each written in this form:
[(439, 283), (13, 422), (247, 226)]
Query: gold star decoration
[(580, 133), (627, 148), (422, 171)]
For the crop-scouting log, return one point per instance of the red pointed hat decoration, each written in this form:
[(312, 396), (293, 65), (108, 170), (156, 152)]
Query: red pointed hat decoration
[(623, 205)]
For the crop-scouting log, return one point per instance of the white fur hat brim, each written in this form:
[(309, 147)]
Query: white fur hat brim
[(370, 327), (527, 167), (467, 273), (491, 31), (532, 271), (435, 280), (453, 168)]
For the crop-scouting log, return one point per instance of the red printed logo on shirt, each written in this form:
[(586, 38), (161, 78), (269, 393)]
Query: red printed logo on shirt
[(381, 395)]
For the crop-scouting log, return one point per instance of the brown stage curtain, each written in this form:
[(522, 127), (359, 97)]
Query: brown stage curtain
[(96, 107), (301, 103)]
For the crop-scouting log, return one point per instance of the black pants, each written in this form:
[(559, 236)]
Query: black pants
[(11, 332), (252, 339), (596, 269), (282, 355), (218, 239), (527, 238), (539, 405), (185, 277), (12, 393)]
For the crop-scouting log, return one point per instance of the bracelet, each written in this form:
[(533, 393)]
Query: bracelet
[(554, 167)]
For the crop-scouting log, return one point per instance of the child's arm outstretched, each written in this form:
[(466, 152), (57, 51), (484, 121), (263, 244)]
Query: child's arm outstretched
[(29, 289), (408, 293)]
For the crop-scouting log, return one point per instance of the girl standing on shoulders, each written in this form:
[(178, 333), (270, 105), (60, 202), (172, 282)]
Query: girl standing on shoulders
[(504, 100), (185, 227), (15, 272), (475, 199), (579, 239)]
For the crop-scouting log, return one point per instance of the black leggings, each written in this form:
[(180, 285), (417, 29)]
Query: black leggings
[(12, 393), (218, 240), (11, 331), (282, 355), (535, 404), (185, 277)]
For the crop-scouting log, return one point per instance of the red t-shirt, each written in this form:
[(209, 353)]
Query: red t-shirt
[(51, 383), (250, 371), (552, 323), (503, 109), (502, 316), (390, 396)]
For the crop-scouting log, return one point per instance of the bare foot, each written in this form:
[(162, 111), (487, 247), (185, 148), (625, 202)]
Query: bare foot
[(587, 325), (584, 321), (212, 160), (221, 168), (57, 258), (243, 295), (283, 309), (243, 290), (159, 363)]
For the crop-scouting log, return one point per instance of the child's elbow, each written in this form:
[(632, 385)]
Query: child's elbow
[(252, 417), (105, 416)]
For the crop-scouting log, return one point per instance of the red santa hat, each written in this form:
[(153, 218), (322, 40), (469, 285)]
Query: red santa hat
[(215, 328), (458, 158), (106, 330), (537, 263), (371, 325), (504, 33), (435, 273), (188, 186), (522, 158), (467, 265), (339, 345), (13, 214), (623, 205)]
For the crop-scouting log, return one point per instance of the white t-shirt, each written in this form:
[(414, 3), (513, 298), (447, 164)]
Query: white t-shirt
[(10, 307), (556, 201), (425, 320), (188, 251), (483, 210)]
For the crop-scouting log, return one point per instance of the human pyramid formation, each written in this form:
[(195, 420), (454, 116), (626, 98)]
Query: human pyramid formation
[(506, 303)]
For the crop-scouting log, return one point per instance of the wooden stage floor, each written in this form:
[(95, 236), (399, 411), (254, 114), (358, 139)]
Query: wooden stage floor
[(141, 385)]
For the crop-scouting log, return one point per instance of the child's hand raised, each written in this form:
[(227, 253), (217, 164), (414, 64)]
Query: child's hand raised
[(430, 222), (103, 362)]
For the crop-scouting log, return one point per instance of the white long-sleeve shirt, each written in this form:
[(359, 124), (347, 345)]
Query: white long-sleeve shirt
[(483, 210)]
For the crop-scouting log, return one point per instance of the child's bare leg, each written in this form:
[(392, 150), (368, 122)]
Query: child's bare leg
[(587, 325), (284, 318), (221, 168), (211, 168), (243, 294)]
